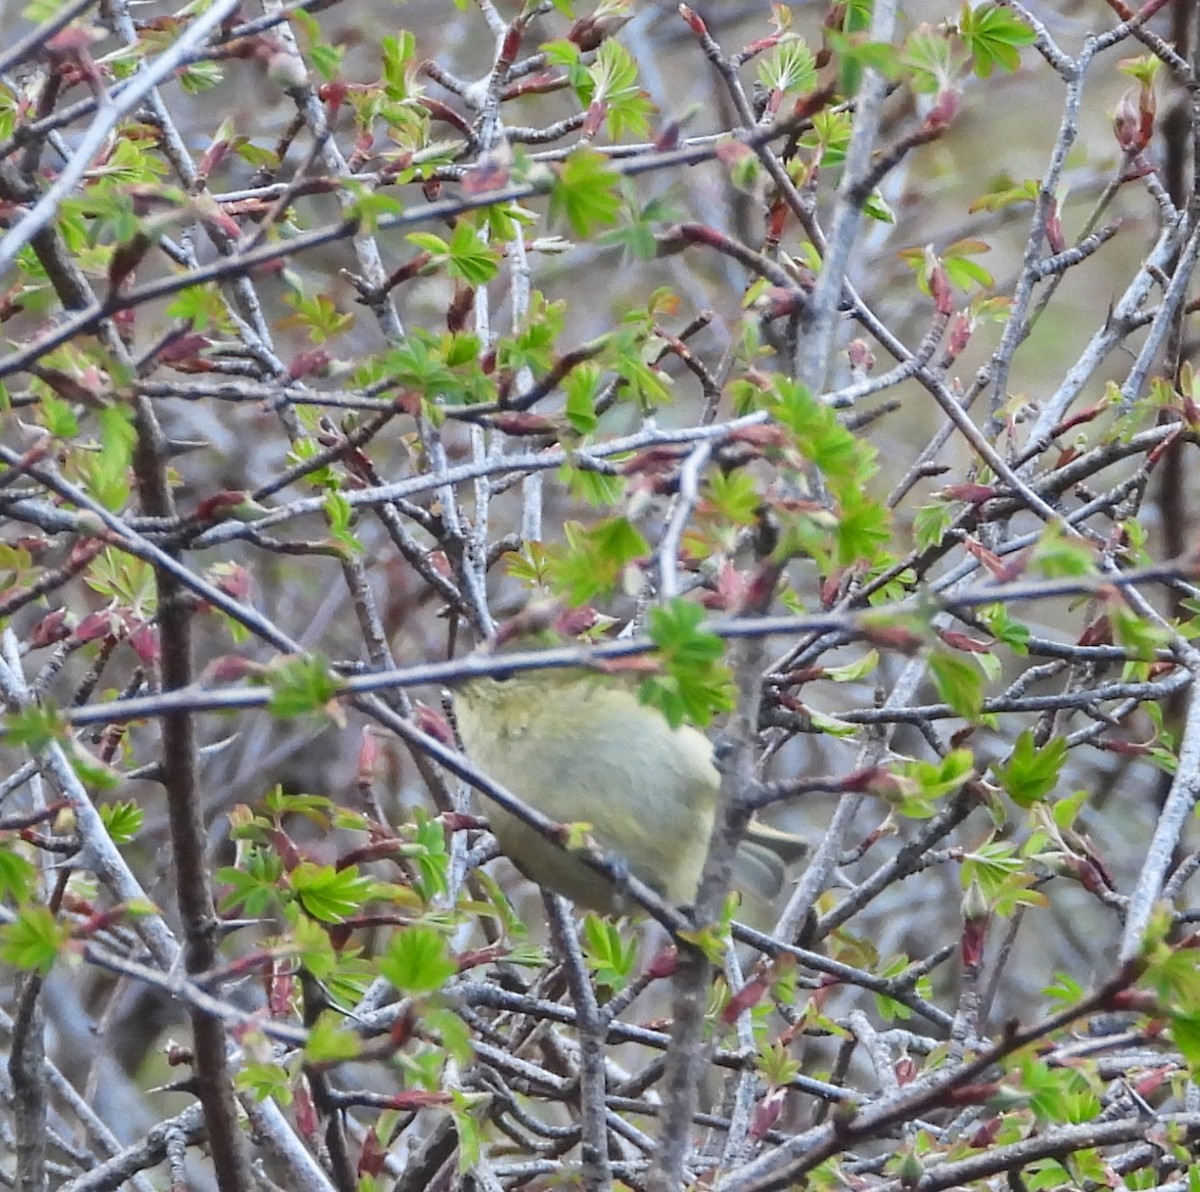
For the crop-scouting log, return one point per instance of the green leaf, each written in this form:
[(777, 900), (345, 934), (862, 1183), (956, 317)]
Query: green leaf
[(127, 580), (329, 1042), (399, 65), (734, 497), (317, 809), (958, 682), (318, 315), (340, 514), (597, 489), (57, 415), (612, 84), (265, 1081), (431, 857), (314, 949), (853, 672), (637, 233), (610, 957), (582, 387), (829, 137), (895, 967), (33, 940), (1031, 771), (466, 258), (442, 369), (595, 559), (929, 60), (418, 960), (1065, 990), (532, 346), (993, 36), (303, 685), (1003, 628), (254, 887), (33, 727), (1058, 1095), (789, 67), (1185, 1030), (696, 684), (18, 875), (863, 527), (1142, 638), (123, 820), (1002, 875), (108, 469), (936, 780), (586, 193), (329, 894)]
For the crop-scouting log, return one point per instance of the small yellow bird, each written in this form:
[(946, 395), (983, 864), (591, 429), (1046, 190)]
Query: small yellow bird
[(580, 748)]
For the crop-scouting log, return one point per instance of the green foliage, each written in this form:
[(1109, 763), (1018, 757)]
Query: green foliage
[(956, 263), (328, 894), (1032, 770), (465, 257), (428, 852), (610, 958), (122, 820), (15, 564), (441, 369), (638, 230), (1058, 556), (370, 204), (923, 784), (329, 1042), (829, 137), (56, 415), (856, 671), (1001, 875), (340, 515), (254, 885), (317, 315), (532, 345), (999, 623), (18, 875), (930, 61), (586, 194), (993, 35), (33, 727), (400, 65), (861, 525), (610, 84), (895, 969), (595, 558), (931, 523), (124, 579), (266, 1081), (1141, 637), (733, 498), (695, 684), (788, 68), (777, 1066), (582, 387), (33, 940), (418, 960), (107, 469), (303, 685), (304, 450), (1058, 1094), (958, 682), (598, 489)]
